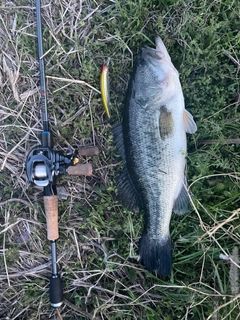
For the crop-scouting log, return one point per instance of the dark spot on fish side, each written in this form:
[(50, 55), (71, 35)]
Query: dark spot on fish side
[(166, 124)]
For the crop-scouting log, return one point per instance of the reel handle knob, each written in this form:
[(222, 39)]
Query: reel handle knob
[(80, 170), (88, 151)]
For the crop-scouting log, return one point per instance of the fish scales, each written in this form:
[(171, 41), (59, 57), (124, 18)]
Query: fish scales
[(153, 161), (154, 128)]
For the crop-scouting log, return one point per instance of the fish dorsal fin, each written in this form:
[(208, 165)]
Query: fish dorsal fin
[(126, 189), (127, 192), (118, 139), (189, 124), (182, 203)]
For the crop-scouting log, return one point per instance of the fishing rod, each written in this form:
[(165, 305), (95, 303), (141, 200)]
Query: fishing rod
[(45, 164)]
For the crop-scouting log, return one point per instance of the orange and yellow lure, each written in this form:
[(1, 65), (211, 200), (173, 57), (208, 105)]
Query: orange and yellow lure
[(104, 86)]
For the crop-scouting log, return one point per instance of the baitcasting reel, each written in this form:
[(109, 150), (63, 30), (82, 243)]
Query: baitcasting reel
[(45, 164)]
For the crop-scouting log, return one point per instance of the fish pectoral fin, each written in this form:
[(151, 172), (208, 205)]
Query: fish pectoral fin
[(118, 139), (189, 123), (127, 192), (182, 203)]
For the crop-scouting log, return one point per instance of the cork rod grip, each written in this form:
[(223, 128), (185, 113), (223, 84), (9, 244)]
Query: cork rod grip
[(88, 151), (51, 210), (80, 170)]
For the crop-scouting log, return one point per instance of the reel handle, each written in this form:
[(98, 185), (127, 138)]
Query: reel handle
[(83, 169), (80, 170)]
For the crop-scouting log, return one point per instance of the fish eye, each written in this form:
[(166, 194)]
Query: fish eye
[(140, 62)]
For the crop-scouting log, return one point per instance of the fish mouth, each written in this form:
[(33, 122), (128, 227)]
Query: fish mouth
[(150, 56), (152, 52), (156, 55)]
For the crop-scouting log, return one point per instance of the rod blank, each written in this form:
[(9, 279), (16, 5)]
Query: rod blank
[(41, 67)]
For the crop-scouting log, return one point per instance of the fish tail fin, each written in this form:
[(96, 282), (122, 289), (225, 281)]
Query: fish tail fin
[(156, 255)]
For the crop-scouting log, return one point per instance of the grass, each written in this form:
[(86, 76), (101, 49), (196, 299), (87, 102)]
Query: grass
[(98, 244)]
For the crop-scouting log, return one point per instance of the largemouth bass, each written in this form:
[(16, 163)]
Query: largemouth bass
[(152, 142)]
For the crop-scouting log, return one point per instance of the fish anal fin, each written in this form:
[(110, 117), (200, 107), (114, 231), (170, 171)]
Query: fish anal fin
[(182, 203), (189, 123), (127, 192)]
